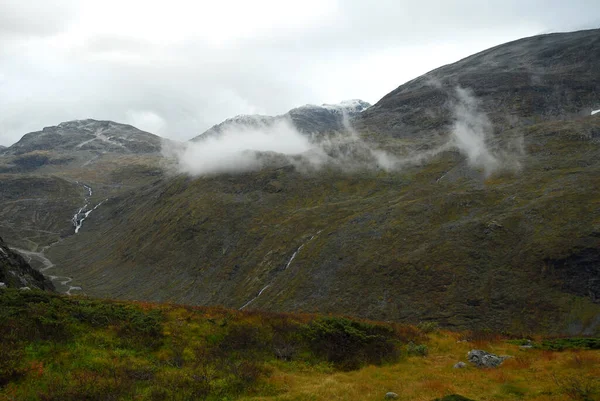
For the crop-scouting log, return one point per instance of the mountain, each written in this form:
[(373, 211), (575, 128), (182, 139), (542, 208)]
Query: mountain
[(88, 135), (308, 119), (439, 237), (543, 78), (15, 272)]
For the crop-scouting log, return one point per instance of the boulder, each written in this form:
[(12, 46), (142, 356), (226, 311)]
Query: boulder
[(391, 396), (460, 365), (483, 359)]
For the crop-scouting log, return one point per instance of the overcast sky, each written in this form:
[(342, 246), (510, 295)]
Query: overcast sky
[(177, 67)]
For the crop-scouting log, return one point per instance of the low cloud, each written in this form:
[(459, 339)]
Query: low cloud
[(238, 148), (473, 135), (147, 120), (242, 148)]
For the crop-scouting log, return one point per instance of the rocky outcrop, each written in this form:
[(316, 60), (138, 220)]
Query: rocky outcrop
[(483, 359), (15, 272)]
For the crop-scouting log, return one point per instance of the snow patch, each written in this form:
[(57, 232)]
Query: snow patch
[(346, 107), (99, 135), (595, 112)]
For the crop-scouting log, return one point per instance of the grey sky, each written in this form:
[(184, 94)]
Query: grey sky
[(177, 67)]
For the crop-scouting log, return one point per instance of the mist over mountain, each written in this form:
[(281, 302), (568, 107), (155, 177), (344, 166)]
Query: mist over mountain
[(308, 119), (543, 78), (466, 196)]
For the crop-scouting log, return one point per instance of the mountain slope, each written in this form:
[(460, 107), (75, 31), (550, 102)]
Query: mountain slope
[(308, 119), (432, 242), (15, 272), (437, 239), (90, 135), (545, 77)]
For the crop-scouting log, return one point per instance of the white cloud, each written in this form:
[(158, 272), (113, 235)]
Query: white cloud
[(147, 121), (234, 150), (195, 63)]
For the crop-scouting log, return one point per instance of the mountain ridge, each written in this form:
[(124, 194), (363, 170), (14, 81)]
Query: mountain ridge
[(308, 119), (517, 84)]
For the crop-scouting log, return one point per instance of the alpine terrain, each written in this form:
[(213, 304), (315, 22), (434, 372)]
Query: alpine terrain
[(467, 196)]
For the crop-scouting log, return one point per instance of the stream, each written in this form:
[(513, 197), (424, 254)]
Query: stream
[(289, 262)]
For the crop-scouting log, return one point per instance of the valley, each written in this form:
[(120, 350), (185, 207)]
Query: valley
[(400, 218)]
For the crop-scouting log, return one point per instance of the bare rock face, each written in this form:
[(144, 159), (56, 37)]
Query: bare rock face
[(483, 359), (15, 272)]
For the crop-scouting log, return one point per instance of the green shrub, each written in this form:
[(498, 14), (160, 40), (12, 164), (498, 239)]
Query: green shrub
[(416, 349), (580, 387), (11, 361), (349, 344), (428, 327), (561, 344)]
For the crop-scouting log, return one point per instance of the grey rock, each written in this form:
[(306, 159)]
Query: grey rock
[(391, 396), (483, 359), (2, 286), (16, 272), (460, 365)]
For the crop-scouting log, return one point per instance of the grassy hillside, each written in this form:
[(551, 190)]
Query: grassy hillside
[(72, 348), (439, 241)]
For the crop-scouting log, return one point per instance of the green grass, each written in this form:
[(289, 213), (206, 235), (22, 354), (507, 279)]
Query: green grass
[(61, 348), (73, 348)]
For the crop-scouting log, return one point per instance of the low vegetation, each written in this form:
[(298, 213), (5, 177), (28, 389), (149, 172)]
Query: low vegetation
[(72, 348), (61, 348)]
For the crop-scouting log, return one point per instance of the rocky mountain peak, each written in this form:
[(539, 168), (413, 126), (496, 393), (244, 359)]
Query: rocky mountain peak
[(352, 106), (308, 119), (91, 135)]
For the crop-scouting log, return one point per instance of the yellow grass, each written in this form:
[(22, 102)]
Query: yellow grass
[(529, 375)]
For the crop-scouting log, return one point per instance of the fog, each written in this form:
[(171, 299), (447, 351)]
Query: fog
[(176, 68), (472, 134), (242, 148)]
